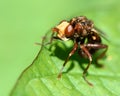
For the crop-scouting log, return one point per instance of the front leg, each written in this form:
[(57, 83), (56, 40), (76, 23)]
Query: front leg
[(70, 54), (51, 40), (86, 51)]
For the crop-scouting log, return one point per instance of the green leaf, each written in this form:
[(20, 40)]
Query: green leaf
[(40, 78)]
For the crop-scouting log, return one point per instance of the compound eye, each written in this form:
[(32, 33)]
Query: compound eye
[(69, 31)]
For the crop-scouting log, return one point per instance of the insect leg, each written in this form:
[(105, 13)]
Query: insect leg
[(82, 54), (51, 39), (70, 54), (98, 46), (90, 60)]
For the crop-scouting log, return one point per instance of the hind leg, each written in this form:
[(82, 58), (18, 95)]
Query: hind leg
[(86, 54), (98, 47)]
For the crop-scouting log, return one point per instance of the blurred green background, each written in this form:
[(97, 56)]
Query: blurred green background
[(24, 22)]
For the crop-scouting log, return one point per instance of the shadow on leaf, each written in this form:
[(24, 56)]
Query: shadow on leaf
[(61, 51)]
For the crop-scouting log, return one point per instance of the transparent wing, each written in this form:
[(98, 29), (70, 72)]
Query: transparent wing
[(101, 33)]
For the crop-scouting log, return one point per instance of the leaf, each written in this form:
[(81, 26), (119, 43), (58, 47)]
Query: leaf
[(40, 78)]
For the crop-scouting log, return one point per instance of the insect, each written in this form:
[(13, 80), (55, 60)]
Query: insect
[(86, 38)]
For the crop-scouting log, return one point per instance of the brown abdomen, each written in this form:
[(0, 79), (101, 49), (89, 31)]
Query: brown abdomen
[(93, 39)]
